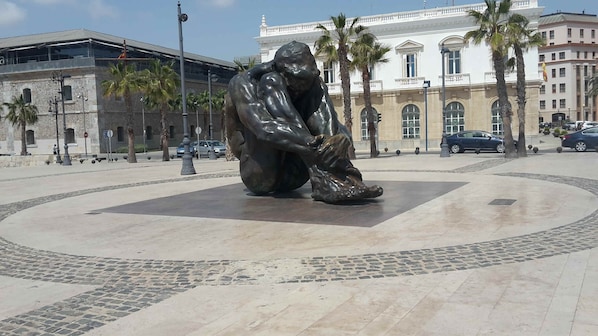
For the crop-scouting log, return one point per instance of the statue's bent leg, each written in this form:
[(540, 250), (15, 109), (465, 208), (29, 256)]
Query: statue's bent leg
[(334, 179)]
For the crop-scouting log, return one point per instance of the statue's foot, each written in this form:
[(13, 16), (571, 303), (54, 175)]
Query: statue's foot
[(330, 188)]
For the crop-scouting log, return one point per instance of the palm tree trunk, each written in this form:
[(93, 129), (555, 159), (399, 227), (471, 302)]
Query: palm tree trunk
[(23, 138), (503, 100), (346, 86), (131, 156), (521, 101), (164, 136), (367, 98)]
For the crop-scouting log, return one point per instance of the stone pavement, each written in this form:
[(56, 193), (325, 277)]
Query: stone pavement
[(466, 245)]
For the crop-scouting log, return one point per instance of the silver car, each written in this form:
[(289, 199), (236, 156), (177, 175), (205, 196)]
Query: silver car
[(203, 147)]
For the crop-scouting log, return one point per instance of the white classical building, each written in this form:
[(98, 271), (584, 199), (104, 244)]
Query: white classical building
[(416, 39)]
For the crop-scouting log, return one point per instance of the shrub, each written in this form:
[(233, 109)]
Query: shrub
[(139, 148)]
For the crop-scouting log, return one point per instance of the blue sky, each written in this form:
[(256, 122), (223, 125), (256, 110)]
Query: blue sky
[(223, 29)]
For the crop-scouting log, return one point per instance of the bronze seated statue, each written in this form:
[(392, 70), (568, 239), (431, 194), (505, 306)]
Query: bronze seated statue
[(282, 126)]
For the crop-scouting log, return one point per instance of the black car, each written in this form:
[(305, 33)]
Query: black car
[(473, 140), (581, 140)]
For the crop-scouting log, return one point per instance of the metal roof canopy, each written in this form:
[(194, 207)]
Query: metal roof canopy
[(84, 35)]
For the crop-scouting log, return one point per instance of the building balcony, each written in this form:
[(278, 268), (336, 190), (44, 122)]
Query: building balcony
[(461, 79), (410, 82), (356, 87), (490, 77)]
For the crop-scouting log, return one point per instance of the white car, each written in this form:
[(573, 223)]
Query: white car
[(203, 147)]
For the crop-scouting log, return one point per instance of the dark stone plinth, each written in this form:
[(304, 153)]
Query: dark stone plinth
[(229, 202)]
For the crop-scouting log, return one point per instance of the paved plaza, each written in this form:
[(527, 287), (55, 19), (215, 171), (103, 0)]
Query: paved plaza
[(466, 245)]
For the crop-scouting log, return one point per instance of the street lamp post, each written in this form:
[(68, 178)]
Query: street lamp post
[(211, 77), (187, 168), (143, 124), (444, 151), (54, 102), (426, 86), (59, 77), (83, 100)]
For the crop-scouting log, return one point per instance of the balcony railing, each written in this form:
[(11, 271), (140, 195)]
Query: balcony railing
[(490, 77), (455, 79), (410, 82), (382, 19)]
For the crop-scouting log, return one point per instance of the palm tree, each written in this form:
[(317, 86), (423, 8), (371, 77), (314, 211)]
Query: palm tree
[(366, 54), (493, 22), (241, 67), (21, 113), (335, 45), (160, 85), (218, 105), (123, 83), (521, 38)]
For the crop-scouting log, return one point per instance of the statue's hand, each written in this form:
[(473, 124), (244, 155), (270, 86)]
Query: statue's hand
[(333, 153)]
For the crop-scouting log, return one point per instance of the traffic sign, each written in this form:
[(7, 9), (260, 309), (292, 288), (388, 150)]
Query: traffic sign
[(108, 133), (85, 135), (198, 130)]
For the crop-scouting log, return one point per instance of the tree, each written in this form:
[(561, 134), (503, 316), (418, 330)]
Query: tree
[(241, 67), (521, 38), (21, 113), (367, 52), (160, 85), (493, 22), (203, 101), (123, 83), (335, 46)]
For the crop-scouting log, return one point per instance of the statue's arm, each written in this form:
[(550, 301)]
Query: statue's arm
[(325, 119), (255, 116)]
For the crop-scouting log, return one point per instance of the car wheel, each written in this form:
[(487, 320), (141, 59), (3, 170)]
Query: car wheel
[(456, 149), (500, 148), (580, 146)]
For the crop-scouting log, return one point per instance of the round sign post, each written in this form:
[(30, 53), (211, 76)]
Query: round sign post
[(85, 135), (109, 134)]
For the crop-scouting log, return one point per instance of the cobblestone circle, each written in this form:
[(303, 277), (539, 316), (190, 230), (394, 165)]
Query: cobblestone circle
[(124, 286)]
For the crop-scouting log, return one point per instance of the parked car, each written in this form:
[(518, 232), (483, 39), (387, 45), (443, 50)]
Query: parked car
[(473, 140), (581, 140), (589, 124), (180, 150), (205, 145), (569, 126)]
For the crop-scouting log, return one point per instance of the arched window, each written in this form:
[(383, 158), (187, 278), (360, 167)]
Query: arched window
[(70, 136), (171, 132), (455, 118), (364, 123), (411, 124), (30, 137), (497, 126), (27, 95)]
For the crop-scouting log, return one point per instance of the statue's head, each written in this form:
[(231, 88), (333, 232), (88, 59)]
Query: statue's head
[(297, 65)]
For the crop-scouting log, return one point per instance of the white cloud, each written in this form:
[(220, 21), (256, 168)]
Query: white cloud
[(51, 2), (10, 13), (99, 9), (218, 3)]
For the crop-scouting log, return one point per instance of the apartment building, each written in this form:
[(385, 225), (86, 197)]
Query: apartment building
[(81, 59), (416, 39), (569, 58)]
